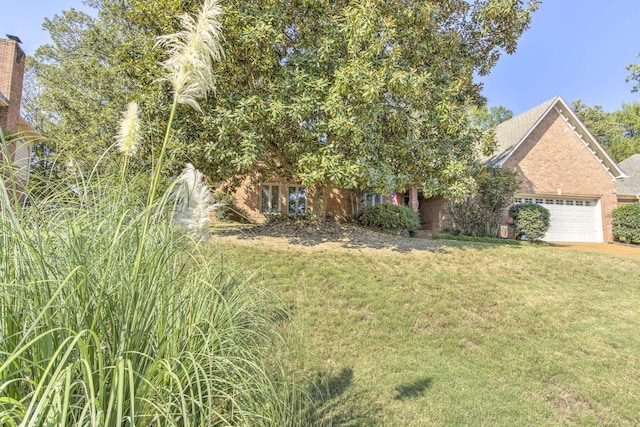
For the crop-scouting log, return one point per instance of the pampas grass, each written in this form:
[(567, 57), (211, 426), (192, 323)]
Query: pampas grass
[(111, 316)]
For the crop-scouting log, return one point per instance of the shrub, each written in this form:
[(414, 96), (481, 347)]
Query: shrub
[(224, 205), (626, 223), (386, 216), (530, 220), (479, 214)]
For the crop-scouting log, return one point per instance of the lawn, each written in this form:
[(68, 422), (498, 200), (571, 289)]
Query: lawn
[(458, 333)]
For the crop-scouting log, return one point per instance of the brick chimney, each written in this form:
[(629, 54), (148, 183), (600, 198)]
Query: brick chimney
[(12, 60)]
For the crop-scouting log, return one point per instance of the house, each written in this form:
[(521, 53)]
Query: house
[(12, 63), (258, 197), (629, 188), (562, 166)]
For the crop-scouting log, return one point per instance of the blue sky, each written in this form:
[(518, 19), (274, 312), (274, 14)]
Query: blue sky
[(574, 48)]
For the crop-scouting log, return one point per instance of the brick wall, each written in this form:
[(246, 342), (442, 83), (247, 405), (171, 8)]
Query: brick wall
[(247, 197), (12, 60), (554, 161)]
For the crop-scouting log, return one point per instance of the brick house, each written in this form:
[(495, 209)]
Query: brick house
[(629, 188), (562, 167), (258, 197), (12, 63), (560, 163)]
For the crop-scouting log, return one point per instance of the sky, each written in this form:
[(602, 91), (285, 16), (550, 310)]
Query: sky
[(574, 48)]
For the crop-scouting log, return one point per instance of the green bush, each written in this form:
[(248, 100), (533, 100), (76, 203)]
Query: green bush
[(479, 214), (224, 205), (386, 216), (626, 223), (530, 220)]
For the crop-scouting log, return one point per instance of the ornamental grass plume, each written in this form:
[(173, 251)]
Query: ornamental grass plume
[(129, 133), (192, 53)]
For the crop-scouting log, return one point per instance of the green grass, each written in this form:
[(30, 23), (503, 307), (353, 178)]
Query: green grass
[(470, 334)]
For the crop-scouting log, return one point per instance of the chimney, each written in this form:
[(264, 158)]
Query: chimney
[(12, 59)]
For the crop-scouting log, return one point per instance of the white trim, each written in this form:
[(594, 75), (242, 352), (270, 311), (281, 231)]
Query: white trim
[(599, 153), (297, 191), (271, 210)]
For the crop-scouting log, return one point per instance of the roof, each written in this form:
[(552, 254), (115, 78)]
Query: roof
[(631, 184), (513, 132)]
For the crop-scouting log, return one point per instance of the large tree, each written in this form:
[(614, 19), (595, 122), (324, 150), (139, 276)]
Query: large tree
[(368, 94), (618, 132)]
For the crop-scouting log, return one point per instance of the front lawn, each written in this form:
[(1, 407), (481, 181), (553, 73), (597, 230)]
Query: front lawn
[(459, 334)]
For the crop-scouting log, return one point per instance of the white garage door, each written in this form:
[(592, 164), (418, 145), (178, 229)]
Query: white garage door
[(572, 220)]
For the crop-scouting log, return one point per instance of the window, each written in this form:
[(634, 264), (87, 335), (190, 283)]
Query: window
[(297, 200), (372, 199), (559, 202), (528, 200), (579, 203), (270, 199), (587, 203), (548, 201), (407, 199), (568, 202), (539, 201)]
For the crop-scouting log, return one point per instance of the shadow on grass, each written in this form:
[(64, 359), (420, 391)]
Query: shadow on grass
[(333, 407), (312, 233), (414, 389)]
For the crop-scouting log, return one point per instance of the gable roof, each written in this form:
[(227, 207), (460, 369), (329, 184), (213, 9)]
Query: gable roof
[(513, 132), (631, 184)]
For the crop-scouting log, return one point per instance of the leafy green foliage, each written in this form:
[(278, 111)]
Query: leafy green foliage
[(634, 76), (90, 337), (479, 214), (386, 216), (487, 118), (364, 94), (618, 132), (530, 220), (626, 223)]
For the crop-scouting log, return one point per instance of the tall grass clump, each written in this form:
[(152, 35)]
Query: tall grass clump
[(110, 316)]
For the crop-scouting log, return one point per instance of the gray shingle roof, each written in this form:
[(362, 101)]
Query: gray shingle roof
[(511, 132), (631, 185)]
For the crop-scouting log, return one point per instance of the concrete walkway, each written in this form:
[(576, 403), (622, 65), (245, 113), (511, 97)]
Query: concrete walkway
[(605, 248)]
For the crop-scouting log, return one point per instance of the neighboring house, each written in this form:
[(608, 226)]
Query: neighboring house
[(629, 188), (12, 62), (562, 167)]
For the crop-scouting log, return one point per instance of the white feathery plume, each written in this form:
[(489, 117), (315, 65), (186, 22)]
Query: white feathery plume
[(194, 202), (192, 53), (129, 134)]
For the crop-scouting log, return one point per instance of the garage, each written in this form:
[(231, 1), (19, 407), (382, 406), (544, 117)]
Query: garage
[(572, 219)]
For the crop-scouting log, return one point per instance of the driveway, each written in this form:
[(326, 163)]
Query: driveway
[(605, 248)]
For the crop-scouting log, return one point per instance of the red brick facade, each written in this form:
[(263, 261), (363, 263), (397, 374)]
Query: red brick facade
[(554, 161), (555, 157), (341, 204), (12, 60)]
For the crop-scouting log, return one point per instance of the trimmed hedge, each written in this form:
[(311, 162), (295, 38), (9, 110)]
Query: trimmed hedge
[(386, 216), (530, 220), (626, 223)]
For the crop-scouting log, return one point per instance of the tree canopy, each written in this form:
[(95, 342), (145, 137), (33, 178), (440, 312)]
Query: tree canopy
[(368, 94), (618, 132)]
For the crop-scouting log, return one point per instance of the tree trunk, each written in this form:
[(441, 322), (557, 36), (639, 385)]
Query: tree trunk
[(320, 200)]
